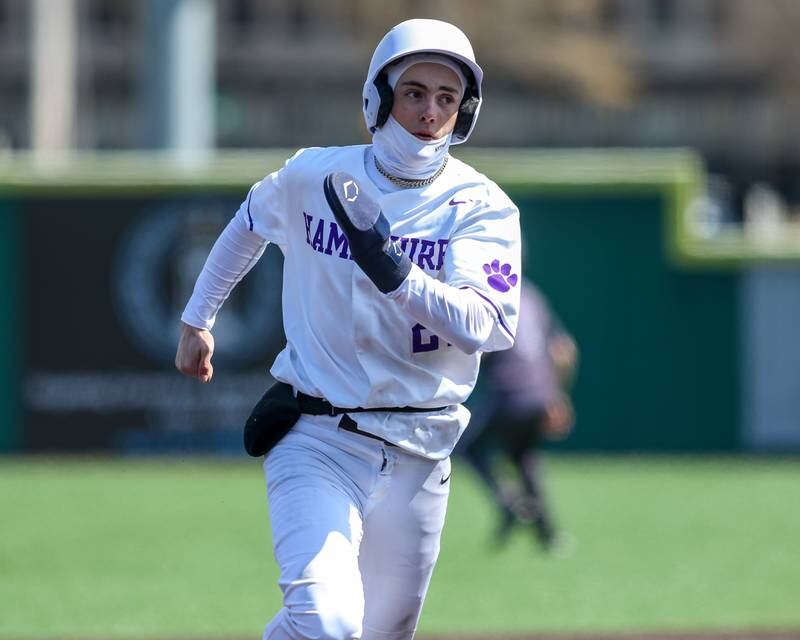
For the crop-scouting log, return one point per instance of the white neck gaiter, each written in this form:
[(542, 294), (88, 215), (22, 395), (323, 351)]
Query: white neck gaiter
[(404, 155)]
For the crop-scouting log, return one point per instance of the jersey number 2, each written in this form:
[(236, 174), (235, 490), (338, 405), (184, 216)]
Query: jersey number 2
[(423, 340)]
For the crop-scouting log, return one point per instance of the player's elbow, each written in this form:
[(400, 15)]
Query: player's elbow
[(468, 348), (474, 340), (498, 341)]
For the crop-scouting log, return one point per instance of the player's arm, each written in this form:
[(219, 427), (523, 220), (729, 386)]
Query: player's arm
[(261, 219), (234, 253), (563, 351), (562, 348), (461, 316)]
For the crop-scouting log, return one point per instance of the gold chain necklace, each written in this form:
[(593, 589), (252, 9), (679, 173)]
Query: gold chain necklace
[(408, 183)]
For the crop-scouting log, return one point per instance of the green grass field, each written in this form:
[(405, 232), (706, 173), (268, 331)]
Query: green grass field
[(181, 547)]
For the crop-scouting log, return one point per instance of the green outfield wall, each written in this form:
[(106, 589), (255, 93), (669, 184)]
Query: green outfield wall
[(657, 330), (659, 345), (10, 328)]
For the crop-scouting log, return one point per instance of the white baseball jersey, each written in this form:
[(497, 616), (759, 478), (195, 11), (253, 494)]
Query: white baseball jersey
[(354, 346)]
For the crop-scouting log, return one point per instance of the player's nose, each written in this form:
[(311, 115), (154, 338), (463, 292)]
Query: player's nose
[(429, 111)]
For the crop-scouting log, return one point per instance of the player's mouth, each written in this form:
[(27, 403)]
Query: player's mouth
[(424, 135)]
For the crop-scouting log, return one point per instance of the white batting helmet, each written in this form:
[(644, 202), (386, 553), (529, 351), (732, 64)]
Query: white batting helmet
[(418, 36)]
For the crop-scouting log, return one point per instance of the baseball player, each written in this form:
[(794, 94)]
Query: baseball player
[(401, 266), (523, 402)]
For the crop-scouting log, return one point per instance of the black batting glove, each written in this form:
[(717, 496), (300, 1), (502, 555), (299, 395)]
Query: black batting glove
[(368, 232)]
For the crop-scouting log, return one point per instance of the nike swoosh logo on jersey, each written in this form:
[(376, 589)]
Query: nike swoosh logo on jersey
[(453, 202), (445, 478)]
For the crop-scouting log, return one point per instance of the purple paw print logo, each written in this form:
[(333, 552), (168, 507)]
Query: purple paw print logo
[(500, 278)]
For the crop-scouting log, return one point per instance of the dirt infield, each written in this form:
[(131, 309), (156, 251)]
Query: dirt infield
[(754, 634), (737, 635)]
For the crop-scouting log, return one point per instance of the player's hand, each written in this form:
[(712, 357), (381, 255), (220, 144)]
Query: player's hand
[(195, 348), (559, 419)]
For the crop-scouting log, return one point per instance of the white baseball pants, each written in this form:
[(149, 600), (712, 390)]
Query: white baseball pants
[(356, 525)]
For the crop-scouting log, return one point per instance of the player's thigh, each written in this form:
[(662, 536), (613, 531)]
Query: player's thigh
[(315, 516), (402, 533)]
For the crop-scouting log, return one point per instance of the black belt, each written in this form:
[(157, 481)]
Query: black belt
[(348, 424), (320, 407)]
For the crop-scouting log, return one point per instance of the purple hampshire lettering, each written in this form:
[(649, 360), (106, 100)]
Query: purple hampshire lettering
[(316, 243), (329, 239), (431, 253), (308, 220), (414, 244), (442, 247), (336, 240), (425, 254)]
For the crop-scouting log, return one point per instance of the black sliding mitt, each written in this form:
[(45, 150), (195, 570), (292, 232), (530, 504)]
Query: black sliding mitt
[(367, 231)]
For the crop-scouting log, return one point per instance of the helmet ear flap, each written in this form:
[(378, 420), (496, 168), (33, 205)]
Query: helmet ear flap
[(386, 96), (466, 114)]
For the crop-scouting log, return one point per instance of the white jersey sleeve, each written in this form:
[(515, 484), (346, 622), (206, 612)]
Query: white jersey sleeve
[(484, 256), (260, 219), (459, 316), (232, 256)]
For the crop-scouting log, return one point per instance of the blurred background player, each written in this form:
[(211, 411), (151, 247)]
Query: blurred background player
[(523, 401)]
